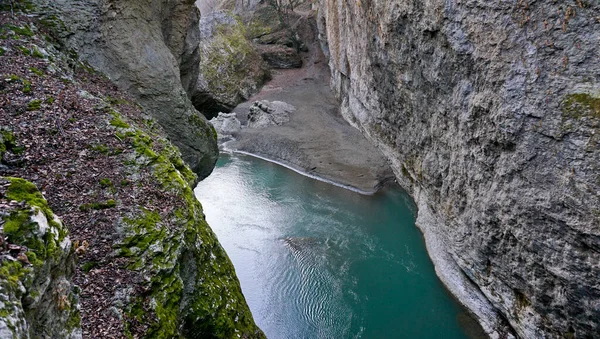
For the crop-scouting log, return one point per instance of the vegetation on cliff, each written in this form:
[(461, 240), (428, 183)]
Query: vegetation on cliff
[(149, 265)]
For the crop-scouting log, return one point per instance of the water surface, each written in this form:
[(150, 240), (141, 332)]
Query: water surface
[(318, 261)]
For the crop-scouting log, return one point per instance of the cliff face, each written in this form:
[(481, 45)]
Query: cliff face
[(148, 264), (489, 112), (149, 49)]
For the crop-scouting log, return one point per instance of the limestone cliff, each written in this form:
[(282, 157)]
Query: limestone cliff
[(148, 49), (489, 112), (148, 264)]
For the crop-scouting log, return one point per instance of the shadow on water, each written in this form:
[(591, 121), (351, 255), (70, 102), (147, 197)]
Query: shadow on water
[(318, 261)]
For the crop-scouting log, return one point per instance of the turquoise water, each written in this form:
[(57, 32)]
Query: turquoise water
[(318, 261)]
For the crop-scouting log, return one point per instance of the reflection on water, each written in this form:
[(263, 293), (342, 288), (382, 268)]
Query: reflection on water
[(318, 261)]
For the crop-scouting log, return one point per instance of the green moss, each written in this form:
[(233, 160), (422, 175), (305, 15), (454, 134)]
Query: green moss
[(11, 272), (50, 101), (34, 105), (24, 6), (24, 30), (105, 182), (98, 205), (8, 142), (74, 320), (23, 190), (118, 122), (169, 245), (115, 101), (88, 266), (579, 105), (2, 51), (36, 71), (26, 86), (35, 52), (100, 148), (26, 51), (22, 230)]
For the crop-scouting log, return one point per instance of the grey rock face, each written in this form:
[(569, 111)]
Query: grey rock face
[(489, 113), (151, 50), (264, 113), (231, 70), (227, 125)]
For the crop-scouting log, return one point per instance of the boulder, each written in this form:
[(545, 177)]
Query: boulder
[(37, 261), (227, 125), (265, 113)]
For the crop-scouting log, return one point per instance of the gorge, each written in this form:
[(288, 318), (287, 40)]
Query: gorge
[(487, 112)]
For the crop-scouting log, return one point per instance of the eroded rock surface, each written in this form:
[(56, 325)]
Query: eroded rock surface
[(148, 265), (264, 113), (489, 112), (149, 49), (231, 69), (227, 126)]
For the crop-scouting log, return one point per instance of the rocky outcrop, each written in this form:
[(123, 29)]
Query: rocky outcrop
[(148, 265), (264, 113), (148, 49), (489, 112), (227, 126), (231, 69), (37, 261)]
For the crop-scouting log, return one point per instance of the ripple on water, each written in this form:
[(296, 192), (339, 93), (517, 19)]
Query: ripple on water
[(317, 261)]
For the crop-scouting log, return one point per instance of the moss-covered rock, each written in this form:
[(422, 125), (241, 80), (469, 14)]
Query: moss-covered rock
[(37, 299), (191, 289), (579, 105), (231, 69)]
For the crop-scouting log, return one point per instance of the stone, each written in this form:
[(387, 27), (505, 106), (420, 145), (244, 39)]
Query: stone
[(227, 125), (231, 69), (37, 299), (487, 112), (149, 50), (264, 113)]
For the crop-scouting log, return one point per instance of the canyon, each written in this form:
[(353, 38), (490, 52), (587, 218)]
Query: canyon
[(487, 112)]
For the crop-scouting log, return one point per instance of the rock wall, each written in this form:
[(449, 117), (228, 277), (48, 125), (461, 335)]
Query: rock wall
[(231, 69), (149, 49), (489, 112), (148, 265)]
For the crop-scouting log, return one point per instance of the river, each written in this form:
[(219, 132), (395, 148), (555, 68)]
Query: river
[(319, 261)]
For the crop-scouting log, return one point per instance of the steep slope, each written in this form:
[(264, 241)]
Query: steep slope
[(489, 112), (149, 265), (149, 50)]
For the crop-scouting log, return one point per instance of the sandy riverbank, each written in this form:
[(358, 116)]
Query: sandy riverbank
[(316, 141)]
